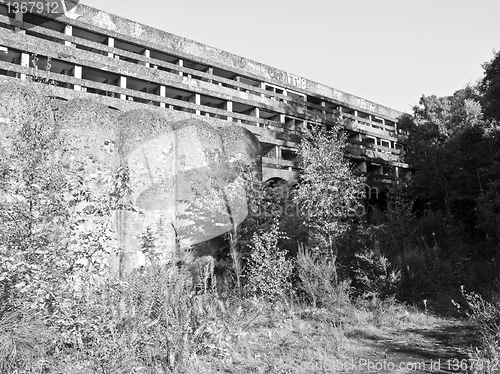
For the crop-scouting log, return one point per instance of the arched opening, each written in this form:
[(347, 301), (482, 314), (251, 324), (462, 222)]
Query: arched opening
[(276, 182)]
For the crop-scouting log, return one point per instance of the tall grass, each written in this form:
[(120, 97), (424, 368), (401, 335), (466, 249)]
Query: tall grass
[(486, 316)]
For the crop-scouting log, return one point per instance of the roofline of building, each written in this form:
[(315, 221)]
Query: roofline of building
[(154, 38)]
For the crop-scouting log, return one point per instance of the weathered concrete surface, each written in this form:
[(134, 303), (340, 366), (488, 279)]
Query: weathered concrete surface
[(180, 178)]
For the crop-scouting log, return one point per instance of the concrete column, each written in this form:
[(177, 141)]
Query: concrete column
[(323, 104), (25, 61), (19, 17), (146, 53), (68, 31), (181, 64), (279, 155), (229, 108), (255, 112), (210, 71), (77, 73), (362, 166), (263, 87), (123, 84), (196, 99), (111, 43), (282, 118), (163, 93)]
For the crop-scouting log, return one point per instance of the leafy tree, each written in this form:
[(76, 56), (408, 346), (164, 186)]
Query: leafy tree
[(490, 88), (328, 192)]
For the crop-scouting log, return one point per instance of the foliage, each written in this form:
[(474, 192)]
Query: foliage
[(455, 153), (318, 280), (328, 192), (268, 270), (490, 87), (486, 316), (375, 275)]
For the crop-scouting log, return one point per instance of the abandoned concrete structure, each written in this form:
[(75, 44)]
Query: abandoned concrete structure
[(127, 65)]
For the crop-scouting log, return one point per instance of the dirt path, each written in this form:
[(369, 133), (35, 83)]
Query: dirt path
[(438, 349)]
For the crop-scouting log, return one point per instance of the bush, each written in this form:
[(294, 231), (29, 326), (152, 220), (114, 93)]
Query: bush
[(268, 270), (318, 280), (486, 316), (153, 320), (375, 276)]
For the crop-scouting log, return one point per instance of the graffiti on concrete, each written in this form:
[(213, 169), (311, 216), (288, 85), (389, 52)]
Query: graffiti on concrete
[(363, 104), (284, 77), (176, 43), (239, 62), (189, 81)]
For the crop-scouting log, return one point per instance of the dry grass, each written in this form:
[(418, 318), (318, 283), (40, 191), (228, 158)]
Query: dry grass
[(304, 340)]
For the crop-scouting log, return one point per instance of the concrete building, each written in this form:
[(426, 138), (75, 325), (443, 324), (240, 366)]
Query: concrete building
[(124, 64)]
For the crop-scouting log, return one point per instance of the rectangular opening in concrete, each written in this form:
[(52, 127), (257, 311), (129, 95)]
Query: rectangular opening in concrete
[(127, 59), (385, 143), (143, 86), (250, 82), (44, 22), (89, 35), (90, 49), (363, 115), (269, 115), (195, 65), (5, 12), (213, 102), (164, 57), (129, 47), (288, 154), (332, 106), (224, 73), (178, 94), (347, 110), (367, 140), (100, 76), (10, 55), (296, 96), (268, 150), (243, 109), (44, 37)]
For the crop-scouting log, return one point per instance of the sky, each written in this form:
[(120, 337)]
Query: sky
[(390, 52)]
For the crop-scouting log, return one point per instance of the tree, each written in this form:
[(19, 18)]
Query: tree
[(490, 88), (328, 192)]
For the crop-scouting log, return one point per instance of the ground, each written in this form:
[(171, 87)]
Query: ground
[(399, 340)]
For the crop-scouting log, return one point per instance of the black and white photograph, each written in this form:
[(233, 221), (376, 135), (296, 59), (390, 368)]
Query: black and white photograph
[(235, 186)]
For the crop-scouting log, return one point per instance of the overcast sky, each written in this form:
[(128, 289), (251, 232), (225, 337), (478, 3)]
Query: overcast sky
[(387, 51)]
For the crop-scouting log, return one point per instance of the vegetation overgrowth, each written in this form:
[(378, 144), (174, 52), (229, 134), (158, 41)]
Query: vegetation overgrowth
[(315, 265)]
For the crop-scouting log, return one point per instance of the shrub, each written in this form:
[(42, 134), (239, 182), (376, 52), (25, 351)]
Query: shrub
[(24, 342), (318, 279), (268, 270), (375, 276), (486, 316)]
